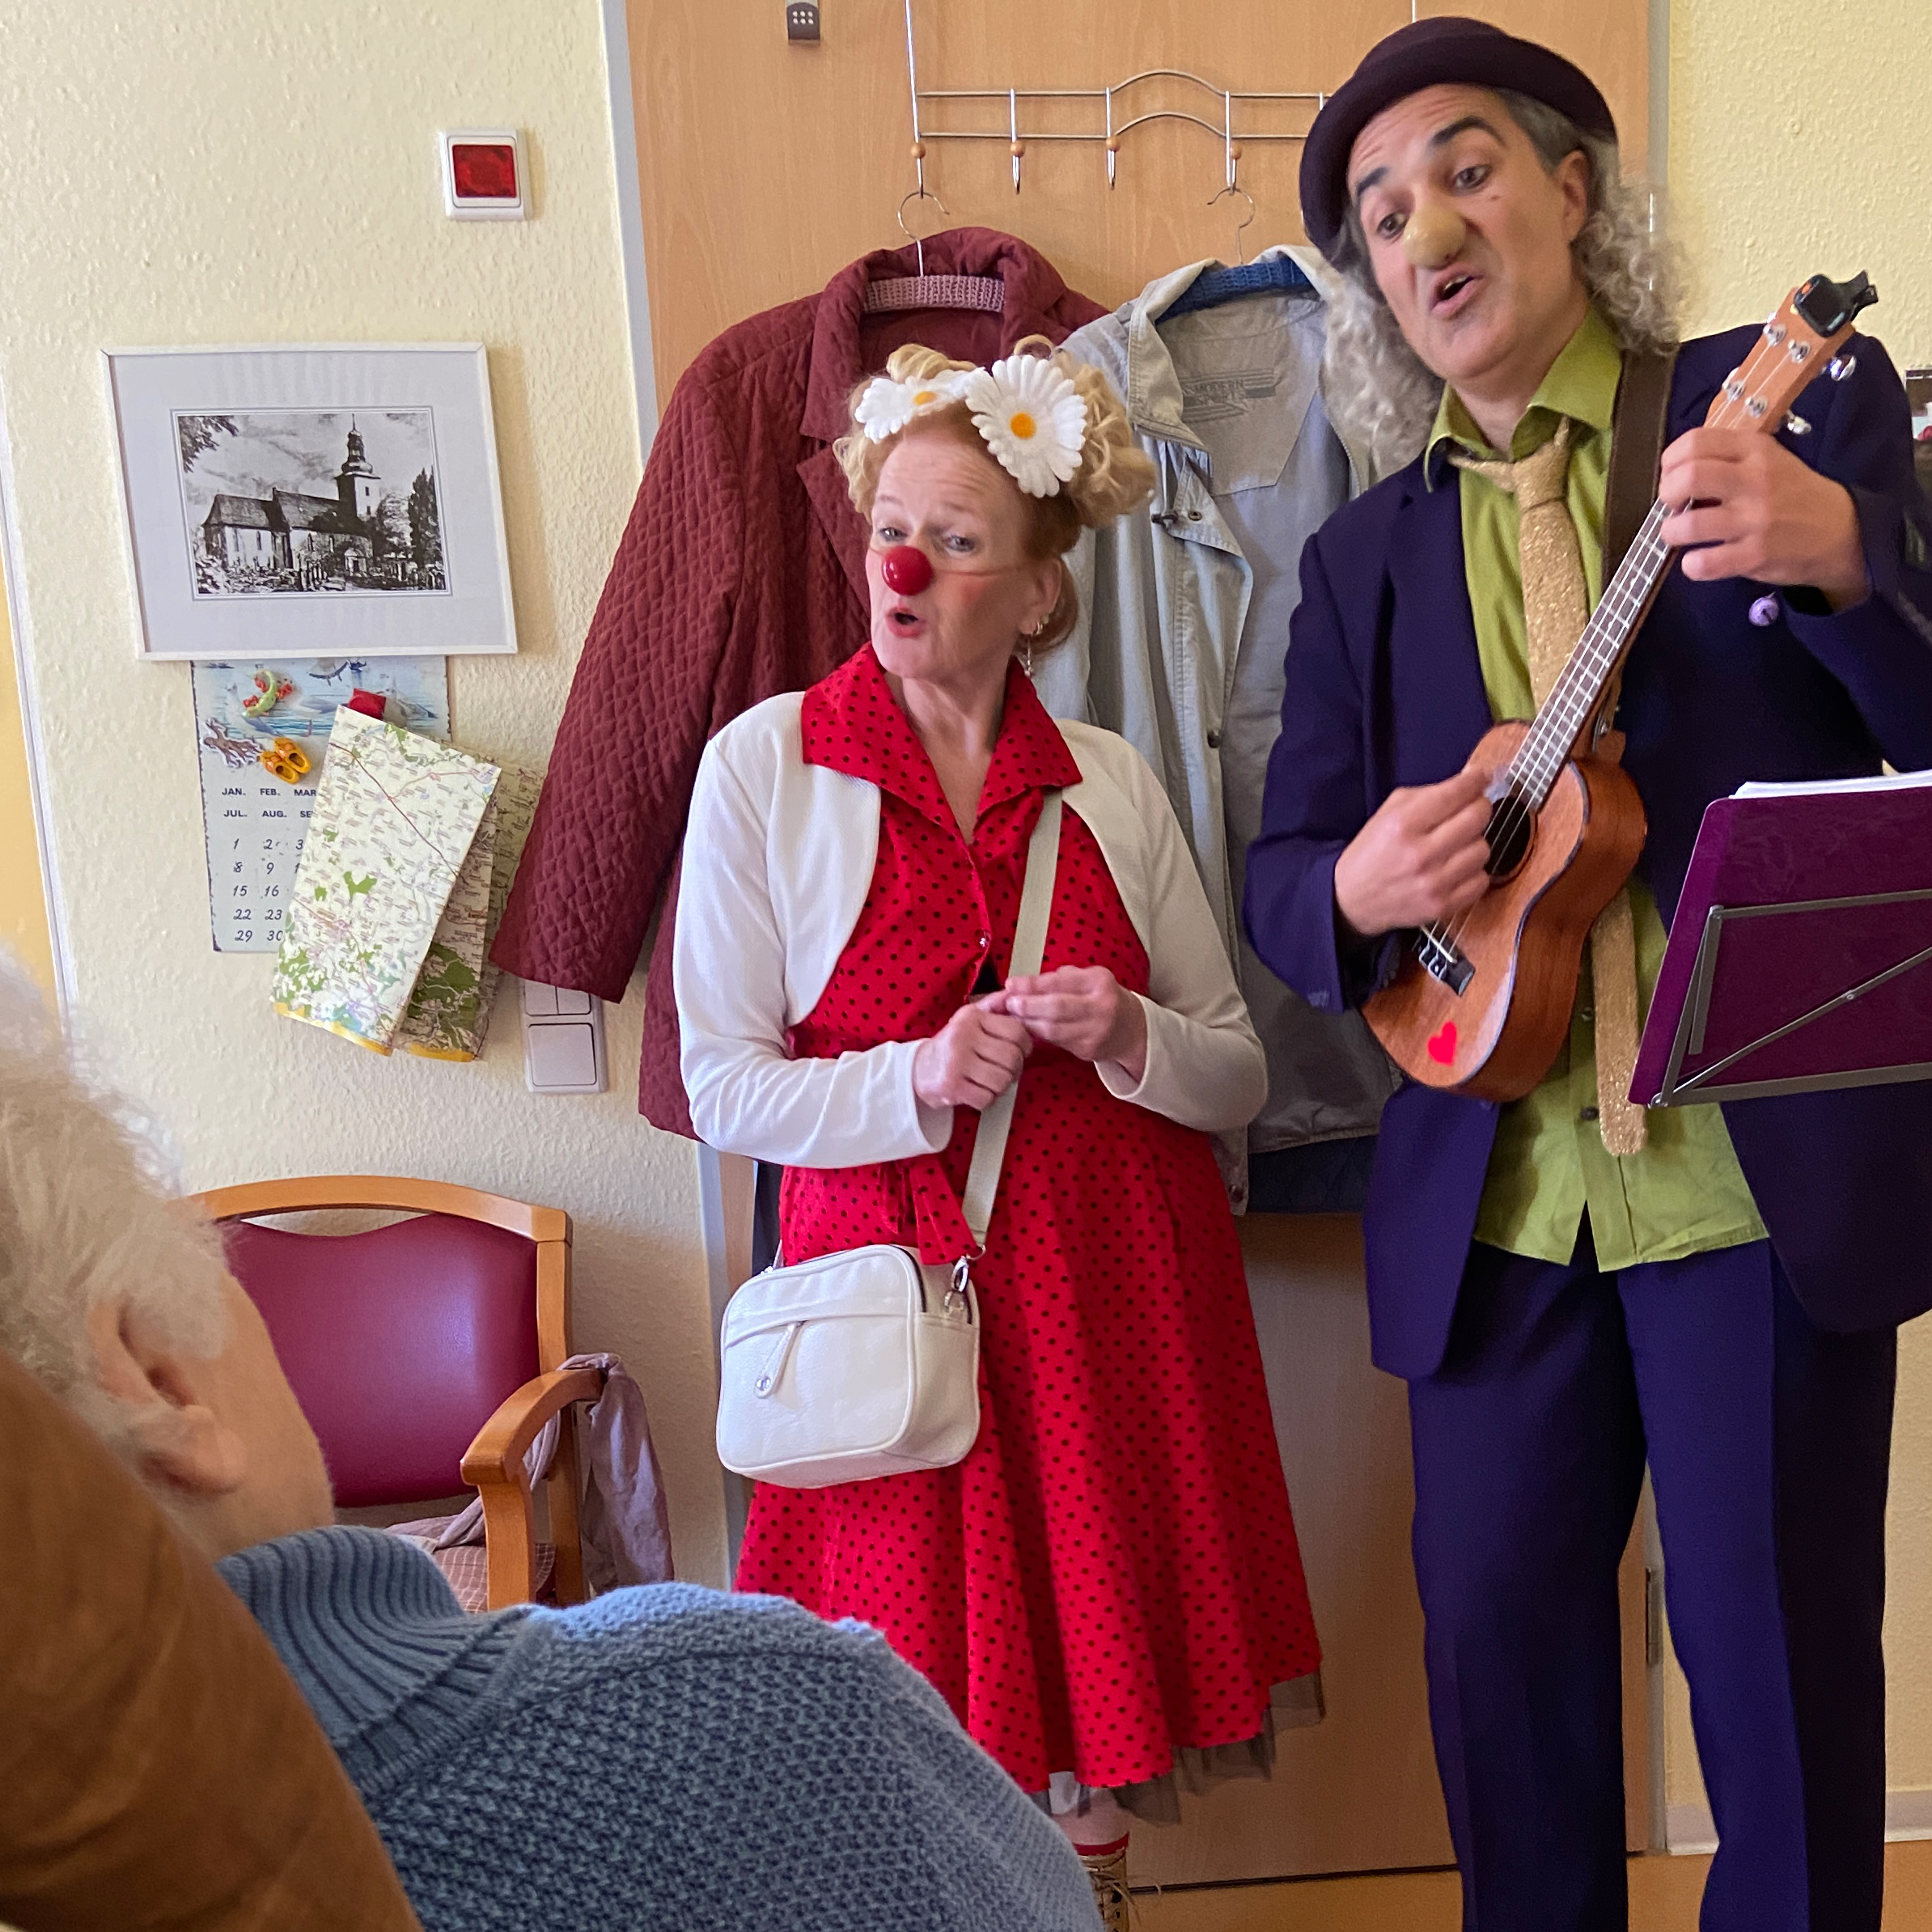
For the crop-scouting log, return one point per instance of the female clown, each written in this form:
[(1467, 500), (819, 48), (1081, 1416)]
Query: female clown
[(1107, 1589)]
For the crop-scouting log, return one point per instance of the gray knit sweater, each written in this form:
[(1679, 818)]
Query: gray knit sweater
[(662, 1758)]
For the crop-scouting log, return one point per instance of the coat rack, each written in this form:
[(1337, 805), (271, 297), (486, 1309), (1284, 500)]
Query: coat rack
[(1115, 122)]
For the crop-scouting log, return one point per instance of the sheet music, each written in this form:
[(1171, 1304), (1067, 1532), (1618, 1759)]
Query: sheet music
[(1814, 788)]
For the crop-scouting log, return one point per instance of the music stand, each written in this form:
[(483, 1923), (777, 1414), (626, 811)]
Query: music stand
[(1800, 958)]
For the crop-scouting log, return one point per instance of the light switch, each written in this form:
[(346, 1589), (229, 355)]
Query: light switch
[(563, 1059), (563, 1041)]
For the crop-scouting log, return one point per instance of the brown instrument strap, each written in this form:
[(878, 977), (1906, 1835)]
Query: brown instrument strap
[(1637, 427)]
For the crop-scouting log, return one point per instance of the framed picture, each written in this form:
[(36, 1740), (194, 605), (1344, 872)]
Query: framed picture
[(336, 502), (1918, 393)]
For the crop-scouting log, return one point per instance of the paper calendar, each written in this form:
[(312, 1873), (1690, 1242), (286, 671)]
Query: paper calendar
[(254, 822)]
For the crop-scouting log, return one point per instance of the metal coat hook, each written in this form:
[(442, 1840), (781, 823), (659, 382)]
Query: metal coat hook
[(921, 193), (1232, 152), (1241, 228), (1078, 103)]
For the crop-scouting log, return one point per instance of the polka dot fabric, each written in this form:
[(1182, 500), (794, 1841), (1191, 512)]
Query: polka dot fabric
[(1112, 1572)]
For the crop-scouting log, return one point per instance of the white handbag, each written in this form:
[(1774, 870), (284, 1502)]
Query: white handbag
[(867, 1363)]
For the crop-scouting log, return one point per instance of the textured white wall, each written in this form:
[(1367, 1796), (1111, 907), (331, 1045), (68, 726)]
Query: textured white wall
[(223, 171), (1798, 145)]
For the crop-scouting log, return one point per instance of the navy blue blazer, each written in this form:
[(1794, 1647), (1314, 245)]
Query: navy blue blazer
[(1384, 689)]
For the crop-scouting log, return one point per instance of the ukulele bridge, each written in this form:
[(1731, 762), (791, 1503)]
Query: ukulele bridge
[(1441, 959)]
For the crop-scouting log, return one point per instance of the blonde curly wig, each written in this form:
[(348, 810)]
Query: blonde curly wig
[(1114, 477)]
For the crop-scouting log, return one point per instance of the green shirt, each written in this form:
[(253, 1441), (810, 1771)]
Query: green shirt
[(1684, 1192)]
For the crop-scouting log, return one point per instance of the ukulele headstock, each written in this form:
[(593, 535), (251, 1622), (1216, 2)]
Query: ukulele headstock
[(1802, 338)]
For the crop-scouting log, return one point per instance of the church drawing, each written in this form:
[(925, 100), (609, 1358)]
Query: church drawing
[(303, 535), (369, 536)]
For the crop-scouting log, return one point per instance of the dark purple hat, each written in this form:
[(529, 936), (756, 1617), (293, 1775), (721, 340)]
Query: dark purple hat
[(1428, 53)]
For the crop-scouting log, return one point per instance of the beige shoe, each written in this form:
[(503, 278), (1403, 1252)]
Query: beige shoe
[(1106, 1871)]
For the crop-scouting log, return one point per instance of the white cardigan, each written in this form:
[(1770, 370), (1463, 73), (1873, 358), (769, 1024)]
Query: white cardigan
[(778, 861)]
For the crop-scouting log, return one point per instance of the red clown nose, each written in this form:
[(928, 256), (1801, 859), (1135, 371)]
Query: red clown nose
[(906, 569)]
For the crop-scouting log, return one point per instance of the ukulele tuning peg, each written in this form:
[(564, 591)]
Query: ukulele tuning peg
[(1841, 367), (1796, 426)]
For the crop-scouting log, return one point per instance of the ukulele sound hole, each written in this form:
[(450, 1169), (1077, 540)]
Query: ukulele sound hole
[(1512, 823)]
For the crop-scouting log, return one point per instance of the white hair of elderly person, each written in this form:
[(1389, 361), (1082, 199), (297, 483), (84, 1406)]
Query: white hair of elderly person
[(667, 1757)]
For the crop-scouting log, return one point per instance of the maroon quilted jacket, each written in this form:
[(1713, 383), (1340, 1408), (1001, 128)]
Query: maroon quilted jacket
[(741, 575)]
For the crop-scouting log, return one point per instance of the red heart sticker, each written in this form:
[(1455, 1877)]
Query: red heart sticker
[(1442, 1046)]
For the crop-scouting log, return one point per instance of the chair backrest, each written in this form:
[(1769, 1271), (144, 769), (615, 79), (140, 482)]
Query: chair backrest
[(401, 1341)]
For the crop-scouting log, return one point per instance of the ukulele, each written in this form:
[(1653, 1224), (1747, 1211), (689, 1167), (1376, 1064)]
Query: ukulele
[(1480, 1003)]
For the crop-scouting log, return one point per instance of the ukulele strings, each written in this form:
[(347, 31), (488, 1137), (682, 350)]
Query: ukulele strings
[(1544, 750), (1648, 558)]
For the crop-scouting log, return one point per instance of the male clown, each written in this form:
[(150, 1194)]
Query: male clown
[(1719, 1294)]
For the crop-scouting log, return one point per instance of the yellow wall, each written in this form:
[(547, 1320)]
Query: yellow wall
[(220, 170), (1797, 145)]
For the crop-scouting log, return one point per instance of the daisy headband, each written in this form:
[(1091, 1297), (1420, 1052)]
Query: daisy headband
[(1030, 415)]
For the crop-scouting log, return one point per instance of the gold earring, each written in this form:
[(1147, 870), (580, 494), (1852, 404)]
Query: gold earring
[(1025, 654)]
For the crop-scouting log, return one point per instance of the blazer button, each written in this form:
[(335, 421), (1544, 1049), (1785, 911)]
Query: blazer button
[(1214, 739), (1589, 1113)]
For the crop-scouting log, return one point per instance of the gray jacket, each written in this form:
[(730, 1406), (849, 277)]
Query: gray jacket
[(1165, 653)]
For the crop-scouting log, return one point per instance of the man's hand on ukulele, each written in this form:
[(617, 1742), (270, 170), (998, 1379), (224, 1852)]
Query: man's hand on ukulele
[(1754, 510), (1420, 858)]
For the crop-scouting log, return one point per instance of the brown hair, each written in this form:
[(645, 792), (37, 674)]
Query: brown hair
[(1114, 477)]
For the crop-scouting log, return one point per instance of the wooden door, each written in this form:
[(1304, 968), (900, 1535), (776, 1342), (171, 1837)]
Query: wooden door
[(764, 168), (767, 166), (23, 922), (1357, 1792)]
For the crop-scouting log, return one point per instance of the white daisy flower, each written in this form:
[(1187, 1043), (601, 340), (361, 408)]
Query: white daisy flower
[(887, 407), (1032, 419)]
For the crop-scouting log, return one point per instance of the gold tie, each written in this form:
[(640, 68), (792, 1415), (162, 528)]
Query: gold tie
[(1555, 606)]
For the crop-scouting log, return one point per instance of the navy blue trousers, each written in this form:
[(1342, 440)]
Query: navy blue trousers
[(1767, 1439)]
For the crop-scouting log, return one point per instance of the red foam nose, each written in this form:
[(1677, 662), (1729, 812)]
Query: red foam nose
[(906, 569)]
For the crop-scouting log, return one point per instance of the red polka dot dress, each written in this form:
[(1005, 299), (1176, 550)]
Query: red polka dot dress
[(1111, 1574)]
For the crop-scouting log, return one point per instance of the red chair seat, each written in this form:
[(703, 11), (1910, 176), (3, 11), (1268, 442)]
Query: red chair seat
[(400, 1342)]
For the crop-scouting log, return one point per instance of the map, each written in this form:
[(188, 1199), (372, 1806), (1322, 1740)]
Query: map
[(254, 822), (393, 823), (449, 1010)]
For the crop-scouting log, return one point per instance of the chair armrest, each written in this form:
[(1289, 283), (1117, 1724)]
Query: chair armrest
[(494, 1465), (497, 1455)]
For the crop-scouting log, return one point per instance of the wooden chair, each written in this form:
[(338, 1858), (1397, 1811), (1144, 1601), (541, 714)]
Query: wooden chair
[(425, 1351)]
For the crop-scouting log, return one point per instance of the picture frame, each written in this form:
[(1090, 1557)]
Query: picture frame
[(331, 500)]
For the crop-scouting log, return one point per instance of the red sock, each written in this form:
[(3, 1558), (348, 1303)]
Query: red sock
[(1101, 1851)]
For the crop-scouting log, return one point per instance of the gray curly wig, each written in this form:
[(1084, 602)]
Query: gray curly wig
[(1378, 393)]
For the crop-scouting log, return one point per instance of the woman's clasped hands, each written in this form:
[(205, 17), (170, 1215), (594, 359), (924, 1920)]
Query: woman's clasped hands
[(977, 1054)]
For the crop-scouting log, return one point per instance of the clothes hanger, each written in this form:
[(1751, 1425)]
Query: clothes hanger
[(1276, 275), (986, 292)]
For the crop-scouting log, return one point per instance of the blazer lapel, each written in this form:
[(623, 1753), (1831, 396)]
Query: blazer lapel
[(845, 529), (1439, 705)]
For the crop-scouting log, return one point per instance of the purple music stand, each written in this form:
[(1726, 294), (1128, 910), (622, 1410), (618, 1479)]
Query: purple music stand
[(1801, 954)]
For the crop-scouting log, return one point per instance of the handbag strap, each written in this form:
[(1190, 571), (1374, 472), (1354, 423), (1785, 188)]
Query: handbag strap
[(1029, 947)]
